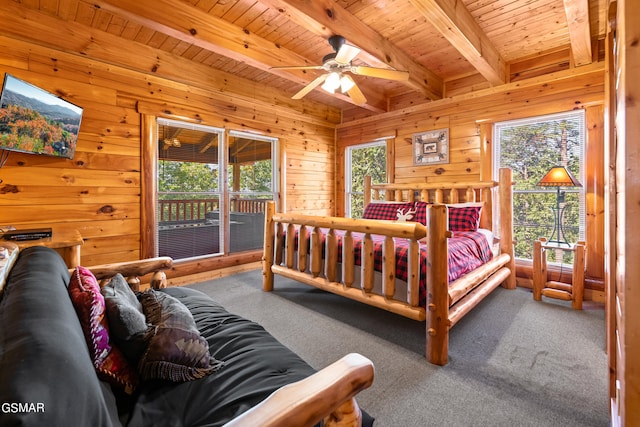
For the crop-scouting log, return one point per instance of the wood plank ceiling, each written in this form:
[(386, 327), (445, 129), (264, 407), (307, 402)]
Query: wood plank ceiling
[(445, 45)]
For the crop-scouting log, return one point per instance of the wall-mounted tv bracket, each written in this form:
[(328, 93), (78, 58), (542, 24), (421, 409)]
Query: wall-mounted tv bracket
[(4, 156)]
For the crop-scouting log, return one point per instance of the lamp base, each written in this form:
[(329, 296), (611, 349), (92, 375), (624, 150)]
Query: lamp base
[(558, 229)]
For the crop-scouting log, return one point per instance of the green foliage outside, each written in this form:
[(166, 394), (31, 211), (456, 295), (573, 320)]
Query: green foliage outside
[(530, 150), (186, 177), (187, 181), (254, 177), (371, 160)]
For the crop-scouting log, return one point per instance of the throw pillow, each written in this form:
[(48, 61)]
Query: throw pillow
[(464, 216), (109, 362), (421, 212), (127, 324), (176, 351), (388, 210)]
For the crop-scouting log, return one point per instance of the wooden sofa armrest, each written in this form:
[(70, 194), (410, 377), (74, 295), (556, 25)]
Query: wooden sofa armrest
[(328, 394), (133, 270)]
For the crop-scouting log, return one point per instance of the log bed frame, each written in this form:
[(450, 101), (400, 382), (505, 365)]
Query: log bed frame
[(327, 395), (447, 302)]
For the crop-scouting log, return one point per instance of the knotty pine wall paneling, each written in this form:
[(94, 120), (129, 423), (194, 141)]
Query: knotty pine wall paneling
[(99, 191), (469, 118)]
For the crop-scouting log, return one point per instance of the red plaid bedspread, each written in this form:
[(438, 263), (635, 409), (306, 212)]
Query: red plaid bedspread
[(468, 250)]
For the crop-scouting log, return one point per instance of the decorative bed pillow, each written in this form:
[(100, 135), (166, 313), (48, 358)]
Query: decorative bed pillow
[(109, 362), (176, 351), (464, 216), (389, 210), (127, 324), (421, 212)]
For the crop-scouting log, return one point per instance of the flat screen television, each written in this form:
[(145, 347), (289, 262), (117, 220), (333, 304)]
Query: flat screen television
[(33, 120)]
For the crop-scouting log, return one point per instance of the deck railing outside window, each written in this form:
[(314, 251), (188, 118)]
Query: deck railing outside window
[(174, 211)]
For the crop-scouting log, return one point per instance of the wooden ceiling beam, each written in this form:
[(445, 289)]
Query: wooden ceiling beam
[(192, 25), (457, 25), (99, 47), (326, 18), (577, 12)]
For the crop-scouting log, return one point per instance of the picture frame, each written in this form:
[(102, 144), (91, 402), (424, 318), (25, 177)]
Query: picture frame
[(431, 147)]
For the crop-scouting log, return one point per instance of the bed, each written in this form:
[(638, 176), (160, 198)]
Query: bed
[(368, 260)]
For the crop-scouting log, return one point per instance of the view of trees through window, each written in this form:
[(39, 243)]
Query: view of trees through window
[(186, 178), (531, 148), (361, 160)]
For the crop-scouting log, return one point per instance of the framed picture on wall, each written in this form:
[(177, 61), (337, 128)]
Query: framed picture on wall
[(431, 147)]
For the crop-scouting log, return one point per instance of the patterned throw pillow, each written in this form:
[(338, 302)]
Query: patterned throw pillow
[(464, 216), (127, 325), (388, 210), (176, 351), (109, 362), (421, 212)]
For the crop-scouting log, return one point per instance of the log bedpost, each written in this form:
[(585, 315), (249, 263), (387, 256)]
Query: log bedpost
[(437, 311), (269, 238), (367, 190), (539, 268), (505, 190)]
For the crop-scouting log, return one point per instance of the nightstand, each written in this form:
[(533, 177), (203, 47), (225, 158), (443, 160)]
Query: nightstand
[(573, 292)]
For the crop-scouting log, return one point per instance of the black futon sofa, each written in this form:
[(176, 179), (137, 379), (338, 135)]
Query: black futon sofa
[(47, 376)]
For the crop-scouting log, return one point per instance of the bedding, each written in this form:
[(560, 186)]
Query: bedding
[(255, 365), (467, 250)]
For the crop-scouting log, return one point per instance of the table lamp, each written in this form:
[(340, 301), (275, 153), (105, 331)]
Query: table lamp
[(559, 176)]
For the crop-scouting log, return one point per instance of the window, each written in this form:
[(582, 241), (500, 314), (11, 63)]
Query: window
[(530, 148), (251, 182), (361, 160), (201, 211)]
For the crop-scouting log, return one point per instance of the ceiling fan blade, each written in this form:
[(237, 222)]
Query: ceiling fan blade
[(300, 67), (311, 86), (382, 73), (356, 94), (346, 54)]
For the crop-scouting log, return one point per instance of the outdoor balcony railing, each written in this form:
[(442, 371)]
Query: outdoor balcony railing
[(195, 210)]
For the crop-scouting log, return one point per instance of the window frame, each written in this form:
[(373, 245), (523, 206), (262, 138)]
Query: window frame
[(348, 156)]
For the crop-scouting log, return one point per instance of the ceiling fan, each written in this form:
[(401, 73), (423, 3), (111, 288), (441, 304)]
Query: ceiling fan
[(336, 65)]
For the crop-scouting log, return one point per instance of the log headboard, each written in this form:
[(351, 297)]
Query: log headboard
[(458, 192)]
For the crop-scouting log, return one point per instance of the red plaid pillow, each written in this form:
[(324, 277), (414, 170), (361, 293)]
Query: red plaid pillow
[(421, 212), (109, 363), (464, 216), (387, 210)]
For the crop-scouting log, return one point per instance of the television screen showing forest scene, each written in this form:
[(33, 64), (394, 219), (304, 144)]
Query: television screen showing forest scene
[(33, 120)]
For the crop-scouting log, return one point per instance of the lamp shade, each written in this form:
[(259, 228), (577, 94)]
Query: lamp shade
[(559, 176)]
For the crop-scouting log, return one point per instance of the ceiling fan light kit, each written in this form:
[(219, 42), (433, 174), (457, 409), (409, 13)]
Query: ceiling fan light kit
[(332, 82), (338, 63)]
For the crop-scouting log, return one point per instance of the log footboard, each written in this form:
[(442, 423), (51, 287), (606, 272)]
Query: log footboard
[(314, 258)]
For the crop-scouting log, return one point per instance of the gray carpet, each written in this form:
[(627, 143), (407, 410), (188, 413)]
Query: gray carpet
[(512, 361)]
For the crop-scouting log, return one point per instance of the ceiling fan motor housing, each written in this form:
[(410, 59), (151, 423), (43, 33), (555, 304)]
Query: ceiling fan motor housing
[(336, 42)]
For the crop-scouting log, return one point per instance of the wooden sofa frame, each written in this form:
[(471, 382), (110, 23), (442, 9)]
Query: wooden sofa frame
[(447, 302)]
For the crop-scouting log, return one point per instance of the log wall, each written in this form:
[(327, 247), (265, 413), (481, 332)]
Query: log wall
[(99, 191)]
